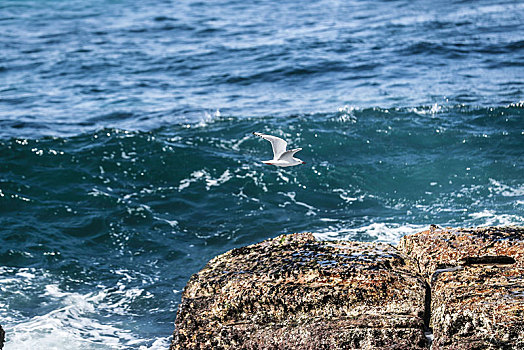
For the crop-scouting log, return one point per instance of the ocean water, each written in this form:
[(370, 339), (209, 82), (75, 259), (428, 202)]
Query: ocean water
[(127, 159)]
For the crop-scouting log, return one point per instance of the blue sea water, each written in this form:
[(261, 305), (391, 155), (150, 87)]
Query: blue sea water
[(127, 159)]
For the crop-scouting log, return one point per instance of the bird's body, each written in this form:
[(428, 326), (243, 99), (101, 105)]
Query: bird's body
[(281, 157)]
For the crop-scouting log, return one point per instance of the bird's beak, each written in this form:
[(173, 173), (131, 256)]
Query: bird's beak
[(303, 162)]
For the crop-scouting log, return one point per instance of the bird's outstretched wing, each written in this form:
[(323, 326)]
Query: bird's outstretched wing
[(288, 155), (279, 145)]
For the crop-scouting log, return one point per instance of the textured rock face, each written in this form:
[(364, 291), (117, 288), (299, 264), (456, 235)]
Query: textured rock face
[(477, 285), (293, 292), (2, 338)]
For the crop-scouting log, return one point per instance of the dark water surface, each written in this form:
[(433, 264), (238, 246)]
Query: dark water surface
[(127, 160)]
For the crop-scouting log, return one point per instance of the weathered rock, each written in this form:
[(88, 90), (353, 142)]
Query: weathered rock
[(293, 292), (2, 337), (438, 248), (476, 278)]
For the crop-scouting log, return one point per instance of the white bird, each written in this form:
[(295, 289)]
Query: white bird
[(281, 157)]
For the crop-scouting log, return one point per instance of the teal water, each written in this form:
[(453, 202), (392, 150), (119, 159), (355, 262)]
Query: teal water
[(127, 158), (103, 229)]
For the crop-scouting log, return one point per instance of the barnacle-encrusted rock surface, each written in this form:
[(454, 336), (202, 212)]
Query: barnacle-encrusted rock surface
[(294, 292), (476, 278)]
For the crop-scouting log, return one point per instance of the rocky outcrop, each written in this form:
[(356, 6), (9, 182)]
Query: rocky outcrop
[(293, 292), (476, 278), (2, 337)]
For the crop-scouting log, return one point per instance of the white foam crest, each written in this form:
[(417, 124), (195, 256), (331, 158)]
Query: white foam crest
[(194, 177), (257, 177), (291, 195), (95, 192), (208, 118), (210, 181), (392, 232), (347, 197), (435, 108), (491, 218), (288, 177), (347, 114), (69, 325), (159, 344), (242, 195), (172, 223), (67, 320), (382, 232), (505, 190), (19, 281)]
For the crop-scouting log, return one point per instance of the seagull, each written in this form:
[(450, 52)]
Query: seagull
[(281, 157)]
